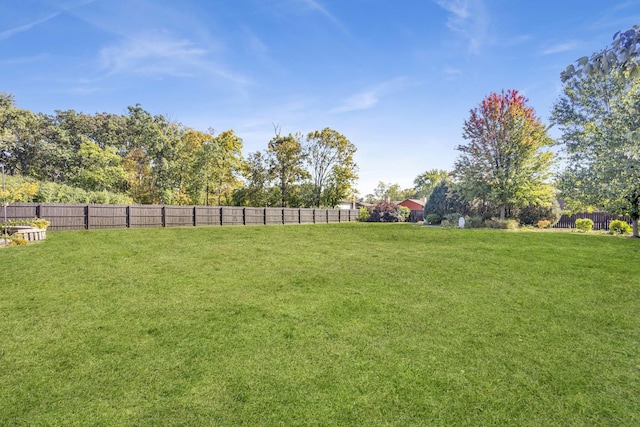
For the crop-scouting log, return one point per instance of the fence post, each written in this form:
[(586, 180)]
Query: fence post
[(86, 217), (164, 216), (127, 212), (283, 215), (244, 216), (194, 216), (37, 211)]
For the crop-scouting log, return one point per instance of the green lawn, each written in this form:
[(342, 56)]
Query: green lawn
[(342, 324)]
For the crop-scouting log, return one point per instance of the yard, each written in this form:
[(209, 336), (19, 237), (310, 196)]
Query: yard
[(334, 324)]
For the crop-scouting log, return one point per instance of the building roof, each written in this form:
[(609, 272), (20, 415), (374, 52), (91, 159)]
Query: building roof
[(416, 201)]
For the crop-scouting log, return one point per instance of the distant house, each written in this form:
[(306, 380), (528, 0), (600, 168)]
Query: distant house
[(346, 204), (349, 204), (413, 204)]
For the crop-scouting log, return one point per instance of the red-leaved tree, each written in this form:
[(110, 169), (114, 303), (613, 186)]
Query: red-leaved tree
[(505, 163)]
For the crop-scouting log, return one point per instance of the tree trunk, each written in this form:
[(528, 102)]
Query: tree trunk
[(503, 210), (634, 225)]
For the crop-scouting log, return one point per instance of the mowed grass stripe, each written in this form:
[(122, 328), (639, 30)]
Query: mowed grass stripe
[(345, 324)]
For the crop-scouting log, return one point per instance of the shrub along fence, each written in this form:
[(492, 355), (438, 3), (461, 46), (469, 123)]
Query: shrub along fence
[(83, 216), (600, 220)]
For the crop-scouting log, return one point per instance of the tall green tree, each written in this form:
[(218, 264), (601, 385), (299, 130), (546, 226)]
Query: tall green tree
[(599, 116), (286, 159), (209, 166), (332, 166), (258, 189), (100, 168), (427, 181), (152, 148), (506, 161), (227, 165), (189, 185), (20, 136), (386, 191), (58, 160)]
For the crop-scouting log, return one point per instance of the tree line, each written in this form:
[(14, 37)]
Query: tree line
[(152, 159)]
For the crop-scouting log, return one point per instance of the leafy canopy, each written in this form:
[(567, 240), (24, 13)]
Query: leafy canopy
[(505, 162), (599, 116)]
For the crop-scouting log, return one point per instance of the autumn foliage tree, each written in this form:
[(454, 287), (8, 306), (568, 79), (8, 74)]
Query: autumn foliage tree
[(506, 162)]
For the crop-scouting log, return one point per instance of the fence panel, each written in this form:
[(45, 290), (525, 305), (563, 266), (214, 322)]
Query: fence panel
[(232, 215), (291, 216), (306, 216), (320, 216), (353, 215), (208, 215), (65, 217), (21, 211), (273, 215), (178, 216), (254, 216), (107, 216), (333, 215), (145, 216)]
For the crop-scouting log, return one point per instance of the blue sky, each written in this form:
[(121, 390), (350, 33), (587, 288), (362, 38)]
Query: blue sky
[(397, 78)]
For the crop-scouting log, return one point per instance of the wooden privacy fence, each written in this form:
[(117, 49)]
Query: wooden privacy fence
[(600, 220), (82, 216)]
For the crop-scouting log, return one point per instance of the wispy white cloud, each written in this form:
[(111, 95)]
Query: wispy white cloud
[(468, 18), (513, 41), (315, 5), (152, 53), (158, 54), (26, 27), (626, 5), (560, 47), (451, 73), (254, 44), (359, 101), (370, 97)]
